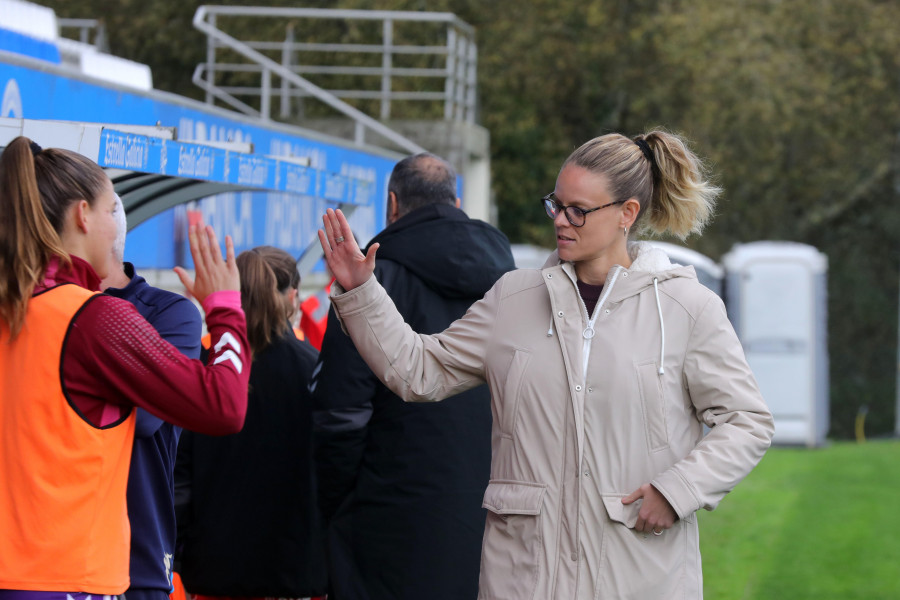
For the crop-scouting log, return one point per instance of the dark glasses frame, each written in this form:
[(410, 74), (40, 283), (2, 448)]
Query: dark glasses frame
[(552, 205)]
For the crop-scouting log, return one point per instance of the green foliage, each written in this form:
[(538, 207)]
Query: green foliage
[(808, 524), (794, 104)]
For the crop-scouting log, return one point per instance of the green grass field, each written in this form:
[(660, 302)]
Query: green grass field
[(819, 524)]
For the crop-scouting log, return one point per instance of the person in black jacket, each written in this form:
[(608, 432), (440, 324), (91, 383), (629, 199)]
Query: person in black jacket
[(401, 485), (248, 525)]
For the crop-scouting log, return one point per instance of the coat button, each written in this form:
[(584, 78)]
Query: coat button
[(587, 473), (575, 556), (559, 314), (549, 275), (577, 388), (590, 390)]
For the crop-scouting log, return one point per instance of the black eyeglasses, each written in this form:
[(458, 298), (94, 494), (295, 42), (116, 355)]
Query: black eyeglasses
[(576, 216)]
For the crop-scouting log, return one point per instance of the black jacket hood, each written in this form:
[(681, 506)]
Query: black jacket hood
[(456, 256)]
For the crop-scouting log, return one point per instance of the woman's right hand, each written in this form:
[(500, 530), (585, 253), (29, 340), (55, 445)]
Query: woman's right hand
[(343, 256), (212, 273)]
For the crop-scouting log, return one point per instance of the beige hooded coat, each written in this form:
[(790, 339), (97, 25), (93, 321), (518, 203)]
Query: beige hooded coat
[(586, 410)]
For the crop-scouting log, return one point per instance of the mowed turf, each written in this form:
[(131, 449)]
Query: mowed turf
[(820, 524)]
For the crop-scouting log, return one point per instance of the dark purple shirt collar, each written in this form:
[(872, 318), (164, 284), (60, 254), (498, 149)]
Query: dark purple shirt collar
[(590, 294)]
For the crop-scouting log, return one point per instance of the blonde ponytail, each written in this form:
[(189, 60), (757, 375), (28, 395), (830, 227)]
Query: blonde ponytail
[(683, 197), (660, 172)]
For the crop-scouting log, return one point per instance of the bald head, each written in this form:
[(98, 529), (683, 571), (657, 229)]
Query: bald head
[(420, 180)]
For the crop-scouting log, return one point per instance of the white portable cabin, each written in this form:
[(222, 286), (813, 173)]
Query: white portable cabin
[(709, 273), (776, 297), (527, 256)]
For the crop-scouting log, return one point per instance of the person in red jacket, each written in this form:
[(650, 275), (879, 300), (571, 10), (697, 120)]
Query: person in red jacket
[(73, 366)]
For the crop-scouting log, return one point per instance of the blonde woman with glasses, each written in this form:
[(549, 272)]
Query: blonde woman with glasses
[(604, 366)]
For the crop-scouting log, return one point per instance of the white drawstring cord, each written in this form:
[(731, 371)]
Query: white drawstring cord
[(662, 329)]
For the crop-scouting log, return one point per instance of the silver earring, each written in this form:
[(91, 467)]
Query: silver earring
[(625, 233)]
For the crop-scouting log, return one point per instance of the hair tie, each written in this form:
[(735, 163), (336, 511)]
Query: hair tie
[(645, 149), (35, 149)]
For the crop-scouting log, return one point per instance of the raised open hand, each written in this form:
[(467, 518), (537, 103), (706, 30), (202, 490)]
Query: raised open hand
[(343, 256), (212, 273)]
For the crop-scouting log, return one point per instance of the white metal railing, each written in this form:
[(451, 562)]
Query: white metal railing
[(86, 27), (454, 47)]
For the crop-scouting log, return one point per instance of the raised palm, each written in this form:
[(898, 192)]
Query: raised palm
[(345, 260)]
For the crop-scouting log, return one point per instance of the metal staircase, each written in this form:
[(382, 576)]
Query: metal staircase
[(282, 68)]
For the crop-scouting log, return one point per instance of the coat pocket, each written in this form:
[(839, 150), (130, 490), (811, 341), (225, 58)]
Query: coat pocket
[(653, 405), (512, 550), (639, 566), (515, 375), (625, 514)]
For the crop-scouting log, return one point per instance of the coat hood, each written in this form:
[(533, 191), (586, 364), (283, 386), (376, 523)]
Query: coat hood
[(456, 256), (648, 263)]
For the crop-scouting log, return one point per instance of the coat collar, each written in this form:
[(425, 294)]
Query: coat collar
[(648, 263), (644, 256)]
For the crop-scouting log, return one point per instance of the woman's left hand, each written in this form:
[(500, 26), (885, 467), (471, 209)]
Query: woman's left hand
[(344, 259), (656, 513)]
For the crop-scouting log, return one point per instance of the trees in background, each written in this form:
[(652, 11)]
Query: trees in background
[(796, 105)]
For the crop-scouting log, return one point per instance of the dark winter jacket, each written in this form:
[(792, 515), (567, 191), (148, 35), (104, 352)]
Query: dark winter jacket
[(402, 485), (151, 476), (247, 518)]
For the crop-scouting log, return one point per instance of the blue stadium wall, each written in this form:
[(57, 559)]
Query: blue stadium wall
[(37, 89)]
